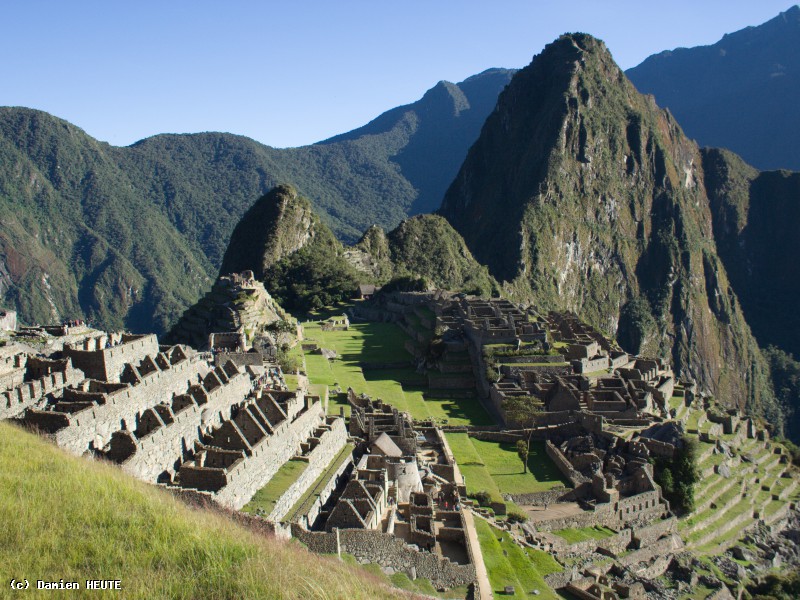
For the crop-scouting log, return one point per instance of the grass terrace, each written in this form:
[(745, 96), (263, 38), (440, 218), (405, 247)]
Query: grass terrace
[(305, 502), (266, 498), (508, 564), (573, 536), (365, 351)]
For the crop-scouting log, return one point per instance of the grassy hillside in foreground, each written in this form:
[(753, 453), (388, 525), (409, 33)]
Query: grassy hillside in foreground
[(62, 517)]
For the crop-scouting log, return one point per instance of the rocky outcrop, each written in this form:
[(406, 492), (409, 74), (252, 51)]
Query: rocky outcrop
[(278, 224)]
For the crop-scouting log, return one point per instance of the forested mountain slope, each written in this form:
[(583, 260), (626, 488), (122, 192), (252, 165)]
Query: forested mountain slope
[(129, 237)]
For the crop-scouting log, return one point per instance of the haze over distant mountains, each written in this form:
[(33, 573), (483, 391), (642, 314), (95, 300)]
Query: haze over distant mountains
[(740, 93)]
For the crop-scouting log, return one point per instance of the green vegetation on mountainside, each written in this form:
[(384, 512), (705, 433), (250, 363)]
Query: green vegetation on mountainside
[(77, 240), (755, 217), (427, 246), (287, 246), (63, 517), (306, 268), (786, 379), (129, 237), (583, 195)]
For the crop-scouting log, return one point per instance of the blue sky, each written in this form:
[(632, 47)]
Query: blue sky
[(291, 73)]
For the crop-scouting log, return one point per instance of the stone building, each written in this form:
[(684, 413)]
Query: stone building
[(8, 319)]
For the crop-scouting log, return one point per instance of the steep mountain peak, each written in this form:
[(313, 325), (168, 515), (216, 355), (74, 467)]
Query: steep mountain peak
[(374, 242), (581, 194), (445, 97), (280, 223)]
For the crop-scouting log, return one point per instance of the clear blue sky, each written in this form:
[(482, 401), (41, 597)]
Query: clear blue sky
[(291, 73)]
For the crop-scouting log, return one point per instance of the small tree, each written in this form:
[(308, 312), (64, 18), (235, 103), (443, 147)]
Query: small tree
[(677, 476), (522, 410), (523, 450)]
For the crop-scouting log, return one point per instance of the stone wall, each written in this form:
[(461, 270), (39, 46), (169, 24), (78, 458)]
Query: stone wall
[(661, 547), (644, 536), (253, 473), (532, 358), (563, 465), (12, 368), (641, 508), (612, 546), (61, 374), (390, 553), (8, 320), (560, 494), (588, 365), (160, 448), (658, 448), (497, 436), (341, 474), (331, 442), (106, 364), (94, 424), (240, 359)]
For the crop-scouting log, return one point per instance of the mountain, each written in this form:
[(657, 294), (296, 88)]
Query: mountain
[(427, 246), (77, 239), (582, 194), (428, 140), (756, 217), (739, 93), (290, 249), (129, 237), (303, 266)]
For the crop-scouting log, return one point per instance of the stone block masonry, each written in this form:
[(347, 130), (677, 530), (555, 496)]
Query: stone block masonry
[(330, 443), (85, 418), (389, 552), (12, 368), (43, 376), (172, 428), (106, 363), (234, 474), (8, 319)]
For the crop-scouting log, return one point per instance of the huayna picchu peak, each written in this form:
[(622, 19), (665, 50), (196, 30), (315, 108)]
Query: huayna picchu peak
[(583, 195)]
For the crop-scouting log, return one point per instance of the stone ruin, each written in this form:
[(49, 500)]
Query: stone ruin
[(237, 305), (337, 323), (8, 319), (400, 505), (203, 427)]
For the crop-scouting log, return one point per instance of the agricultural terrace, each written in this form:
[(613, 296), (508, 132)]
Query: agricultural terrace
[(363, 353)]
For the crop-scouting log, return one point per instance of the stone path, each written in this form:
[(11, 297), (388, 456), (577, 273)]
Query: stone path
[(481, 575)]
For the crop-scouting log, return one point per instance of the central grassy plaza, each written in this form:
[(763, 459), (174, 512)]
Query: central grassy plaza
[(363, 353)]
